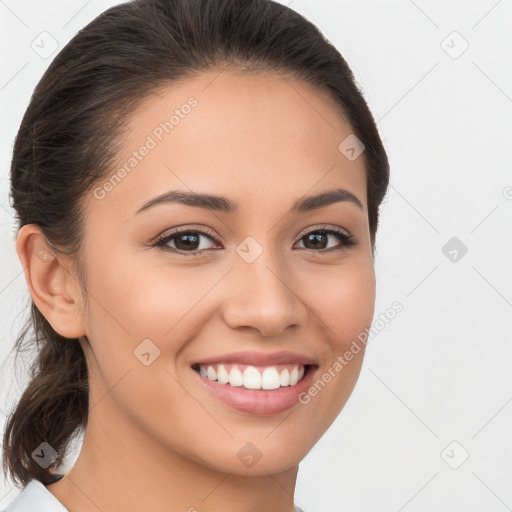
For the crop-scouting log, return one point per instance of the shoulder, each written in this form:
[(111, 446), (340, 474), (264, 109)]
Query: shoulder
[(35, 497)]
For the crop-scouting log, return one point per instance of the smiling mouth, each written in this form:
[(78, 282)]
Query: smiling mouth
[(253, 377)]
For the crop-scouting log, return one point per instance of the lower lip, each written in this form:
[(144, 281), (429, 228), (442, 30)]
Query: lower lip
[(259, 401)]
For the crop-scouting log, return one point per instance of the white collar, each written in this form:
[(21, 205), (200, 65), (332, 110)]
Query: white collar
[(35, 497)]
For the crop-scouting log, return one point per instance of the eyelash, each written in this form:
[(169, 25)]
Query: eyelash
[(346, 239)]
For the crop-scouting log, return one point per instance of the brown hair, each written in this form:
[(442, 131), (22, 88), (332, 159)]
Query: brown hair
[(69, 137)]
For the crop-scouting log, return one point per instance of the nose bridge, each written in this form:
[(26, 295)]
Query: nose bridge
[(263, 296)]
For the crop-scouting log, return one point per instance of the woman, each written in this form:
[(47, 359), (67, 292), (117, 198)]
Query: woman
[(198, 185)]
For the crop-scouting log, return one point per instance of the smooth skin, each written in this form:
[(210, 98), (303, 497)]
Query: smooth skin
[(156, 439)]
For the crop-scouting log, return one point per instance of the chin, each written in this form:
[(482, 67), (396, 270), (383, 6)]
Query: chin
[(257, 455)]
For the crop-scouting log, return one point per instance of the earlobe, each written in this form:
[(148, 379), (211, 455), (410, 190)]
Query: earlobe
[(53, 287)]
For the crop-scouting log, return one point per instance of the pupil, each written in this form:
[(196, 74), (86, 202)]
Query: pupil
[(315, 237), (190, 241)]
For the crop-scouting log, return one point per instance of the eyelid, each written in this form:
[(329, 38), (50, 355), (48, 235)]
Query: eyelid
[(326, 227), (176, 231)]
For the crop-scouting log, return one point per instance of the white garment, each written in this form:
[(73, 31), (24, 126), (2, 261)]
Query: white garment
[(35, 497)]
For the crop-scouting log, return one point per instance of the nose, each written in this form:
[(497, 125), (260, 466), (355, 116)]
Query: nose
[(261, 296)]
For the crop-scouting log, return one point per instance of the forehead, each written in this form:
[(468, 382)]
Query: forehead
[(249, 136)]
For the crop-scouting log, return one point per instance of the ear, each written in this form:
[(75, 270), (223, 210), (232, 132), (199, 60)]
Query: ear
[(52, 284)]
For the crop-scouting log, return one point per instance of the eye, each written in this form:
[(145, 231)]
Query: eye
[(184, 240), (188, 242), (318, 238)]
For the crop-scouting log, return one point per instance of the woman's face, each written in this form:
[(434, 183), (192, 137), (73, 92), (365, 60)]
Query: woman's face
[(268, 289)]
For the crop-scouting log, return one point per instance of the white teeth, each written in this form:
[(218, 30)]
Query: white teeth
[(270, 379), (211, 373), (251, 377), (235, 377), (222, 375), (285, 377)]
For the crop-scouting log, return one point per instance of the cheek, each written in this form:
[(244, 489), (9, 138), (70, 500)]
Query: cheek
[(129, 305), (146, 302), (343, 299)]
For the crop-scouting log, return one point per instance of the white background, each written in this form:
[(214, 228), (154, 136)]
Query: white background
[(440, 371)]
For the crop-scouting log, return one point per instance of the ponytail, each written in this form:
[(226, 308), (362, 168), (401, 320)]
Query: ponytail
[(52, 409)]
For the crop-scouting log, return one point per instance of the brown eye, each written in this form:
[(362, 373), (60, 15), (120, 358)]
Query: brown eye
[(185, 241), (318, 239)]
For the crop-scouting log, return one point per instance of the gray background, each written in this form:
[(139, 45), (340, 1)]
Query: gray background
[(428, 426)]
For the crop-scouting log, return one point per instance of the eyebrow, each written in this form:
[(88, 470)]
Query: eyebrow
[(225, 205)]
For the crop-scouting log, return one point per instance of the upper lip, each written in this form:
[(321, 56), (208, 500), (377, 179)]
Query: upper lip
[(259, 358)]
